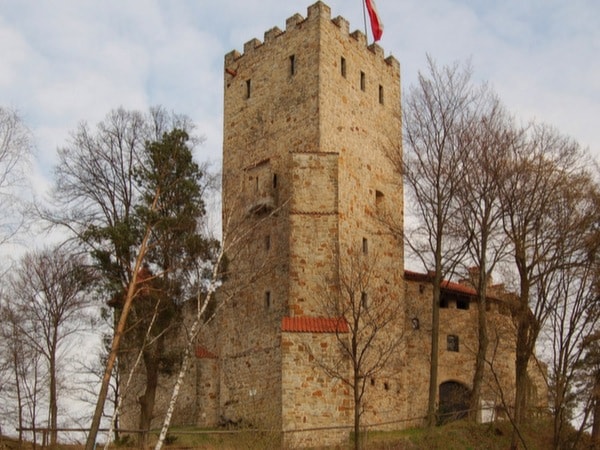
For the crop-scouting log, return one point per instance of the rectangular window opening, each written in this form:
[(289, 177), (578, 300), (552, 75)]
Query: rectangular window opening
[(268, 299), (268, 242), (362, 81), (381, 94), (452, 342), (365, 246), (248, 88), (364, 300), (378, 199), (343, 66), (462, 303), (292, 65)]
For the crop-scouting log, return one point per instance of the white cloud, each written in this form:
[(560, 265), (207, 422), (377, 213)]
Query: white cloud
[(69, 61)]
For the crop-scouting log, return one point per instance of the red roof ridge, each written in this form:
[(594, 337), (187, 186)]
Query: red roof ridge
[(308, 324)]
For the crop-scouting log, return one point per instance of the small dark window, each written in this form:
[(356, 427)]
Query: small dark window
[(248, 88), (268, 299), (292, 64), (274, 181), (415, 323), (452, 341), (365, 246), (267, 242), (378, 198), (372, 381), (381, 94), (362, 81), (462, 303), (444, 302), (343, 66), (364, 300), (256, 185), (386, 385)]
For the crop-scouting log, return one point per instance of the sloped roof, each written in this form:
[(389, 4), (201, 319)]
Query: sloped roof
[(449, 286), (305, 324)]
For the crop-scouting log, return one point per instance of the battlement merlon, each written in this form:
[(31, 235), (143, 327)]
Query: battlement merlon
[(316, 12)]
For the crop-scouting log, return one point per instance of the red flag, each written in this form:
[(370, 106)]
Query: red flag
[(376, 25)]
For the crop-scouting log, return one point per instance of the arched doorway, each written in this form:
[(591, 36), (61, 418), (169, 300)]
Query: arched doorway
[(454, 401)]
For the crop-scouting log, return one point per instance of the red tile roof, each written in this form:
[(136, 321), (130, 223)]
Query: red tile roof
[(450, 286), (304, 324), (202, 353)]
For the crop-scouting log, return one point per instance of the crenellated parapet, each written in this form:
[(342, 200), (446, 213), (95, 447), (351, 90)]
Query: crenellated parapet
[(319, 12)]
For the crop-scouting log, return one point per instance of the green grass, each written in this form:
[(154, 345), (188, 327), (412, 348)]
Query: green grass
[(453, 436)]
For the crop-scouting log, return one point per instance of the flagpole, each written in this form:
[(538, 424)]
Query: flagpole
[(365, 20)]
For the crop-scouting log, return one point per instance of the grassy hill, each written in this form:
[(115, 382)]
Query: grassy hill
[(453, 436)]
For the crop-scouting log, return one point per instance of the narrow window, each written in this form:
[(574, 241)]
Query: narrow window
[(256, 185), (378, 199), (444, 303), (268, 299), (362, 81), (292, 65), (381, 94), (365, 246), (452, 342), (343, 66), (364, 300), (415, 323), (248, 88), (274, 181), (268, 242)]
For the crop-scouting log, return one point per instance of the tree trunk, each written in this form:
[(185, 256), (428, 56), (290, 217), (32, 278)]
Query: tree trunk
[(483, 341), (16, 363), (521, 380), (53, 407), (474, 403), (146, 401), (596, 414), (357, 399), (90, 443), (435, 343)]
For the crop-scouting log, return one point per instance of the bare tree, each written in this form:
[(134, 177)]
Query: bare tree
[(570, 323), (589, 383), (437, 115), (50, 290), (111, 194), (544, 219), (487, 138), (369, 326), (15, 154)]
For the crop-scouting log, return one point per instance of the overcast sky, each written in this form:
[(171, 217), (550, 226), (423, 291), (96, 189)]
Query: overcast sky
[(67, 61)]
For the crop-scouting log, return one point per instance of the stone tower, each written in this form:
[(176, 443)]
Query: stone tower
[(308, 116)]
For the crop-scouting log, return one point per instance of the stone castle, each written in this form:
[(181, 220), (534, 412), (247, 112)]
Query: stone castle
[(309, 114)]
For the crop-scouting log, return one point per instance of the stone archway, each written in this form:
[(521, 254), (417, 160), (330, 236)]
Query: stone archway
[(454, 401)]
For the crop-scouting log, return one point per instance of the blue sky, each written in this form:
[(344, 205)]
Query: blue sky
[(67, 61)]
